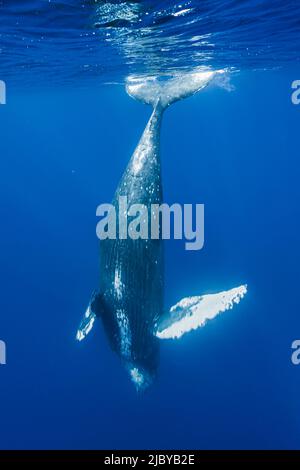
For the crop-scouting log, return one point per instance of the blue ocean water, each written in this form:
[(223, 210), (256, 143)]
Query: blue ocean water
[(67, 132)]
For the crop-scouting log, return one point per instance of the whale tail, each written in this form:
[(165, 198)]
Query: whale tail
[(168, 91)]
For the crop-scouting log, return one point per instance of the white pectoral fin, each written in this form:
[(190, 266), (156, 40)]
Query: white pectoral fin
[(89, 318), (193, 312), (86, 324)]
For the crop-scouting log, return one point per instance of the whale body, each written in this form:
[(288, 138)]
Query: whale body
[(130, 298)]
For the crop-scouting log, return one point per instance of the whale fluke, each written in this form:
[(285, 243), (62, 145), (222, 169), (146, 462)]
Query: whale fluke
[(130, 300), (153, 90), (194, 312)]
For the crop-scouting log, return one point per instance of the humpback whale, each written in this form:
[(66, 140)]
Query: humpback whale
[(130, 298)]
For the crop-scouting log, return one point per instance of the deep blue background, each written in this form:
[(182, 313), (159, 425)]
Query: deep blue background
[(230, 385)]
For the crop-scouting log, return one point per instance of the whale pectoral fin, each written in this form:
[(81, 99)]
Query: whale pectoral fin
[(194, 312), (90, 316), (153, 90)]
